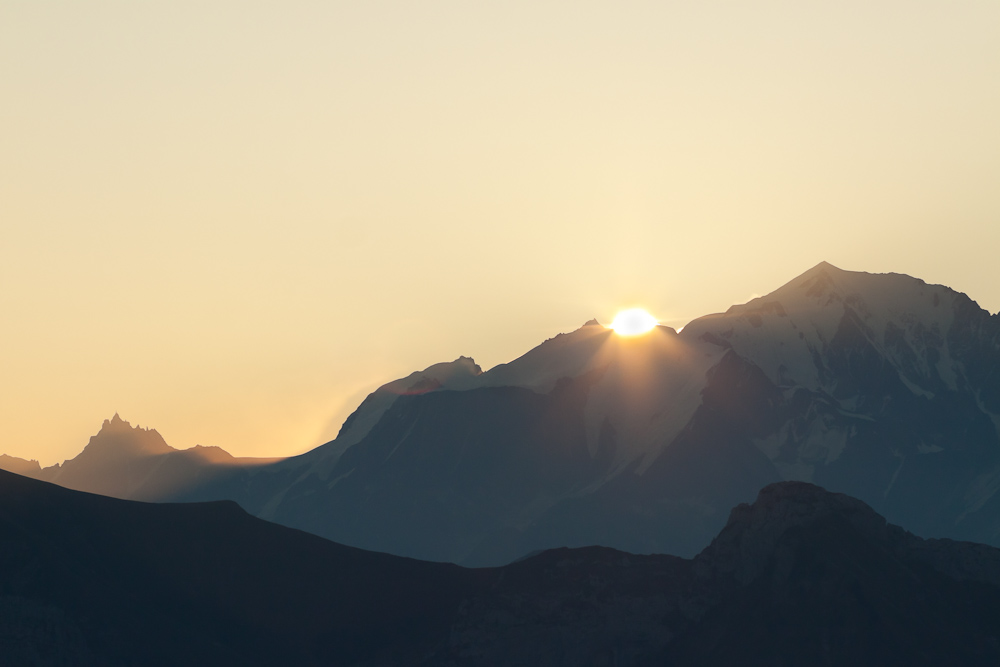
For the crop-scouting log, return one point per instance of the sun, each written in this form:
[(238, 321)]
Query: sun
[(633, 322)]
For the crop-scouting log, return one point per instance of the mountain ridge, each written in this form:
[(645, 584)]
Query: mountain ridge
[(123, 461), (876, 385)]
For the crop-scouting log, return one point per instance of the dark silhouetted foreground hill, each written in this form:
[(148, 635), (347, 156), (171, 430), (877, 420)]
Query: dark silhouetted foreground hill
[(86, 579), (802, 576)]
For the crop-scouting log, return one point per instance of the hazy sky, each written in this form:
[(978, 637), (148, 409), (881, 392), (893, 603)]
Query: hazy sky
[(231, 220)]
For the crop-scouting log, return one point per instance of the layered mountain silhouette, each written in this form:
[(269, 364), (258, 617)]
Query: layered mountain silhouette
[(123, 461), (876, 385), (801, 576)]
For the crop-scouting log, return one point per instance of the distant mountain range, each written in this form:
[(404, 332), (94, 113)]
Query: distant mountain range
[(801, 577), (876, 385), (123, 461)]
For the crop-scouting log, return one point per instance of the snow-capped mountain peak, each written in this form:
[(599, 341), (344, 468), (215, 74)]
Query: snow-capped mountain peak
[(791, 332)]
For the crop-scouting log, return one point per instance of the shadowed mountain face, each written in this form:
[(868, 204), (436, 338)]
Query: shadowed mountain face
[(880, 386), (802, 576)]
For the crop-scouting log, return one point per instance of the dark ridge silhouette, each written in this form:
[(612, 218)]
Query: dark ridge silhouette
[(93, 580), (802, 576)]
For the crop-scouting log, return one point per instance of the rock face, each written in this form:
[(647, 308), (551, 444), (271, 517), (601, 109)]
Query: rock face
[(752, 534), (875, 385), (804, 576), (801, 576)]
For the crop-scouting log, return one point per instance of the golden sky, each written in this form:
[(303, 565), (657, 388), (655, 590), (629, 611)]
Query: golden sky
[(231, 220)]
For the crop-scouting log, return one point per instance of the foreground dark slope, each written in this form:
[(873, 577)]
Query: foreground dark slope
[(802, 576), (807, 577), (88, 580)]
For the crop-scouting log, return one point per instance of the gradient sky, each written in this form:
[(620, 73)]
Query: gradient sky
[(231, 220)]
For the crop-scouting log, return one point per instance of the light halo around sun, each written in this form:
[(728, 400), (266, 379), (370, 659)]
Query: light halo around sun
[(633, 322)]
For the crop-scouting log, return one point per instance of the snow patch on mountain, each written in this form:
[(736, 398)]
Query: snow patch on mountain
[(789, 332), (821, 443)]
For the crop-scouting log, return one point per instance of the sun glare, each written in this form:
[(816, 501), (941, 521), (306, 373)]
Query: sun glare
[(633, 322)]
